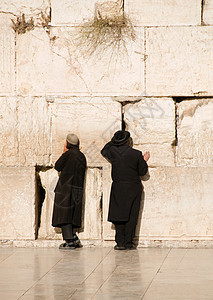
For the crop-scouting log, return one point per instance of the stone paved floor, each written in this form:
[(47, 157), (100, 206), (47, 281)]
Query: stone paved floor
[(103, 273)]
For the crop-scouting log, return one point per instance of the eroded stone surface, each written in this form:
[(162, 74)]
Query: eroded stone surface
[(195, 133), (151, 123), (163, 12), (75, 12), (92, 214), (34, 131), (176, 199), (48, 180), (60, 64), (33, 62), (9, 147), (108, 228), (179, 61), (17, 199), (26, 131), (94, 120), (7, 56), (208, 12), (27, 7)]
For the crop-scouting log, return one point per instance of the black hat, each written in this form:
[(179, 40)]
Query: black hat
[(120, 137)]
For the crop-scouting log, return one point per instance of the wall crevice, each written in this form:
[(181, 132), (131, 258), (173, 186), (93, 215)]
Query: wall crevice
[(40, 194), (202, 11), (175, 142)]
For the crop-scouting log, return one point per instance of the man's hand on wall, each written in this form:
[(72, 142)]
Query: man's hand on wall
[(146, 156)]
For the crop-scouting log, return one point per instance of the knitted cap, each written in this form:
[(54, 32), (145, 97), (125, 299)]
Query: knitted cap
[(72, 139)]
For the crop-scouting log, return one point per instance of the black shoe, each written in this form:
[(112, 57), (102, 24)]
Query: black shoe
[(119, 247), (67, 246), (76, 241), (130, 247)]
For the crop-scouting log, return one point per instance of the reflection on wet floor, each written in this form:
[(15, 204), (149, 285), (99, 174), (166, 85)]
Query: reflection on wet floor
[(103, 273)]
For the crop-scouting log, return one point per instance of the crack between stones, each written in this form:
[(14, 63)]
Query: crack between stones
[(202, 12), (7, 13), (175, 142), (145, 57)]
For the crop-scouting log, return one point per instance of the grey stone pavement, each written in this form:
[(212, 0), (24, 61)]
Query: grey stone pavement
[(103, 273)]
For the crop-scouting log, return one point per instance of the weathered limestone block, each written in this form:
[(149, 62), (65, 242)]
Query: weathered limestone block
[(163, 12), (7, 56), (9, 147), (92, 215), (195, 132), (75, 12), (208, 12), (77, 71), (179, 61), (17, 199), (33, 62), (34, 125), (108, 228), (48, 180), (27, 7), (151, 123), (25, 131), (177, 204), (94, 120), (60, 64), (161, 154), (92, 222)]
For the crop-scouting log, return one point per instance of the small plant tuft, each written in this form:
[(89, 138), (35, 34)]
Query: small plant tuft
[(21, 26)]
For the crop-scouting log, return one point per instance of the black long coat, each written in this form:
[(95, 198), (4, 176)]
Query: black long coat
[(69, 189), (128, 165)]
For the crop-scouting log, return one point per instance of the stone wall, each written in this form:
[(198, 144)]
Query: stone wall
[(156, 79)]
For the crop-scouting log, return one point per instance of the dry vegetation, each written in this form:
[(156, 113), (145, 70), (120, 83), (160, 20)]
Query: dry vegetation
[(21, 26), (105, 34)]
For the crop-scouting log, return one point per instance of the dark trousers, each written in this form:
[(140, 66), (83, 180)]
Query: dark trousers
[(125, 231), (67, 232)]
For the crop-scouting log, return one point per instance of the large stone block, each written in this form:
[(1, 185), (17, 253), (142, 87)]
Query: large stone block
[(179, 61), (33, 62), (75, 12), (34, 125), (152, 125), (94, 120), (49, 180), (9, 148), (27, 7), (195, 132), (17, 203), (163, 12), (173, 206), (25, 131), (108, 228), (208, 12), (60, 64), (177, 204), (92, 214), (92, 222), (7, 56)]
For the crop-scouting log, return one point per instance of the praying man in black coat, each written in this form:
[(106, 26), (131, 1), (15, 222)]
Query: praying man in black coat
[(67, 210), (128, 165)]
